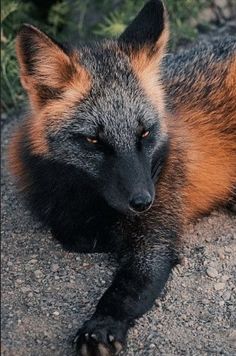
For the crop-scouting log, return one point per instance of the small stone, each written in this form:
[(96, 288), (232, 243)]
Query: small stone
[(184, 261), (219, 286), (25, 289), (158, 303), (221, 3), (221, 255), (212, 272), (226, 295), (221, 303), (225, 278), (56, 313), (38, 273), (55, 267), (85, 264), (178, 269), (232, 335), (19, 281), (33, 261), (207, 15)]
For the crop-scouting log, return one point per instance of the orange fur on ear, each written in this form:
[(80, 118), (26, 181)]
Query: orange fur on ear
[(145, 41), (46, 70), (146, 38), (146, 66)]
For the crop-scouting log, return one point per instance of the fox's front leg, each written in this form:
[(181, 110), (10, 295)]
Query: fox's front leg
[(137, 284)]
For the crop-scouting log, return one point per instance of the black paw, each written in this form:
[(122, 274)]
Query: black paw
[(102, 336)]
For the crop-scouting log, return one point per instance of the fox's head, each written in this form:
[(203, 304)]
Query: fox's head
[(101, 107)]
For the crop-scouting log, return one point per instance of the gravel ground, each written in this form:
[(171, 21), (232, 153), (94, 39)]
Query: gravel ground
[(48, 293)]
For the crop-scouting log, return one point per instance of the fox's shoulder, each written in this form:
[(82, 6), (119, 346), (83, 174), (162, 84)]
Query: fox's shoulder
[(198, 58), (201, 72)]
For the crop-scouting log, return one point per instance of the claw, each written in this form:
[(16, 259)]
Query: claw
[(103, 350), (118, 347), (84, 350), (75, 339), (94, 337), (86, 336), (111, 338)]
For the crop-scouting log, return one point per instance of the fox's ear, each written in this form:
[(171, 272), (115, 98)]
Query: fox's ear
[(45, 67), (148, 33), (144, 41)]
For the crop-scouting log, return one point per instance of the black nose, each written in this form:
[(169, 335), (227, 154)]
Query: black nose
[(140, 202)]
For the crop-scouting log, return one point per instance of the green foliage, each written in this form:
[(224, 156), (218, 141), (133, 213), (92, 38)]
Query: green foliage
[(87, 18), (10, 85), (58, 16), (180, 12), (117, 17), (13, 14)]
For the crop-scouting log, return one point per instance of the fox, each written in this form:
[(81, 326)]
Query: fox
[(123, 147)]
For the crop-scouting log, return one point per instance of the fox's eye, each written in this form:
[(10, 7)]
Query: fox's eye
[(93, 140), (145, 133)]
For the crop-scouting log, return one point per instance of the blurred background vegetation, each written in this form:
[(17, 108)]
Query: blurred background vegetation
[(79, 19)]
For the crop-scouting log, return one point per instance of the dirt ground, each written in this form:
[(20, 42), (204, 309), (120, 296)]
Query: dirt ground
[(48, 293)]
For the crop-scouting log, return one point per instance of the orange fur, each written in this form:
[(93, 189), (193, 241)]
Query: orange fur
[(55, 70), (51, 115), (146, 67), (210, 166), (210, 144)]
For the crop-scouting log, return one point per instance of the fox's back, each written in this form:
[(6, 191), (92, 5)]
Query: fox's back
[(201, 96), (203, 76)]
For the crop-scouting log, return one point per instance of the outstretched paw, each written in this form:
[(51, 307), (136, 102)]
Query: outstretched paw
[(102, 336)]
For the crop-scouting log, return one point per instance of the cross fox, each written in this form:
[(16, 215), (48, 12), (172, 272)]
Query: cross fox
[(123, 147)]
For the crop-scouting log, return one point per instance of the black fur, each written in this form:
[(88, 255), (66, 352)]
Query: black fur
[(146, 27)]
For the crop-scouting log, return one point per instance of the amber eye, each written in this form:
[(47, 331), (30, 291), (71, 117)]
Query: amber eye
[(92, 139), (145, 134)]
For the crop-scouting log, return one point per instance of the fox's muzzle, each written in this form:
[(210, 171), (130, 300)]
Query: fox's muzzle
[(131, 187)]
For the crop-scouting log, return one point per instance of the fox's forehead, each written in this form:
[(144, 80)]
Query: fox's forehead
[(105, 61), (116, 103), (118, 120), (110, 72)]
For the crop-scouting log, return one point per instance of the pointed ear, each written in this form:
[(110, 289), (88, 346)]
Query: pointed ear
[(147, 36), (45, 67)]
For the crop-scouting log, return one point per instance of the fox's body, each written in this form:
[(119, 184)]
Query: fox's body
[(172, 124), (201, 92)]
